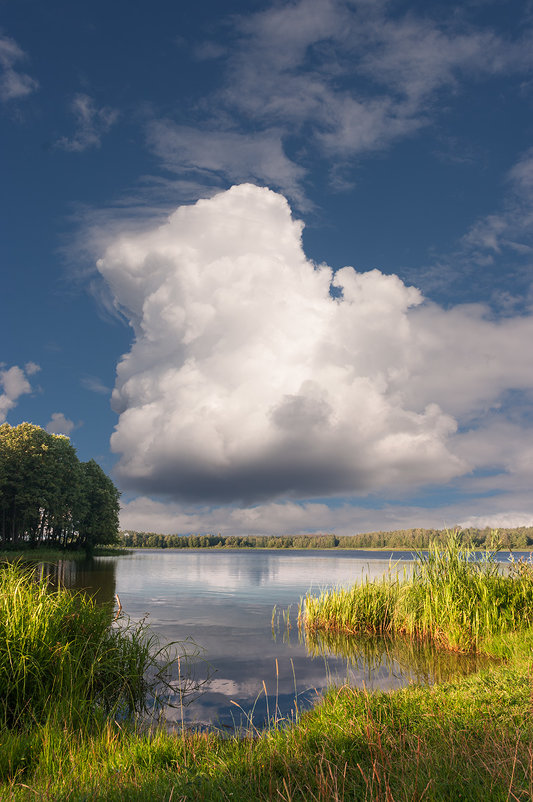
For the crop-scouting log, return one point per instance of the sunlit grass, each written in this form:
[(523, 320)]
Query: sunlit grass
[(62, 657), (450, 598)]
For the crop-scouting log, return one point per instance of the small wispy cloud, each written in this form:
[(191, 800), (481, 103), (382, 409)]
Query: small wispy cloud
[(92, 123), (509, 228), (227, 156), (495, 247), (95, 385), (13, 83)]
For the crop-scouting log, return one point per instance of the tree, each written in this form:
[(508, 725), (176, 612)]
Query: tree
[(28, 481), (48, 496), (100, 508)]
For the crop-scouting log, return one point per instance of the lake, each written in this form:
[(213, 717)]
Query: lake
[(254, 664)]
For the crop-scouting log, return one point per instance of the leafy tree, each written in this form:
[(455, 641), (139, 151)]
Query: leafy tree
[(100, 508), (48, 496)]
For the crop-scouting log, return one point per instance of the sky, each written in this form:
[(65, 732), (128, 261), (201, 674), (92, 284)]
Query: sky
[(270, 263)]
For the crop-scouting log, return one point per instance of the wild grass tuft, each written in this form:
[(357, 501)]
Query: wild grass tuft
[(61, 655), (457, 601)]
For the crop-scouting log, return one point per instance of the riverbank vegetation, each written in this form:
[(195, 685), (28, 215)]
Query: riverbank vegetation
[(44, 554), (61, 659), (514, 538), (458, 602), (469, 738), (48, 498)]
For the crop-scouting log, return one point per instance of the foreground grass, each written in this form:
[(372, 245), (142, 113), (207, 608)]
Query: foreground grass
[(470, 739), (64, 660)]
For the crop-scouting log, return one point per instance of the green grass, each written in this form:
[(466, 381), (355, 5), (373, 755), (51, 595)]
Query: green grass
[(470, 738), (42, 554), (458, 603), (61, 656)]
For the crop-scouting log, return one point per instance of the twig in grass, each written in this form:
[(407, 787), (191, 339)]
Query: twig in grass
[(119, 607)]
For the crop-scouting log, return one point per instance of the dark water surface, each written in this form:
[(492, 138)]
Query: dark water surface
[(224, 600)]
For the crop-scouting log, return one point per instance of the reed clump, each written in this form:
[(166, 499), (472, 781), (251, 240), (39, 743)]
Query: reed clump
[(458, 601), (61, 655)]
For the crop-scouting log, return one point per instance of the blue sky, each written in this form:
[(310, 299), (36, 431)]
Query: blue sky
[(270, 263)]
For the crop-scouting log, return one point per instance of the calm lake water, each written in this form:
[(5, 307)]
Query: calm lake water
[(223, 602)]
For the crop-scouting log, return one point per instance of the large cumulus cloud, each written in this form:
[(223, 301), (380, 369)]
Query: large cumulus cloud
[(256, 374)]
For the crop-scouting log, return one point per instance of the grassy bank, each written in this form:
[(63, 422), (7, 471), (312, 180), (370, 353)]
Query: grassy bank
[(451, 599), (467, 739), (42, 554), (64, 659)]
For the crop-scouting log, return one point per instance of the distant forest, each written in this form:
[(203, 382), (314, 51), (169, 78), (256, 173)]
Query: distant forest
[(514, 538)]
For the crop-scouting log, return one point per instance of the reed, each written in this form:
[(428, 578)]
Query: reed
[(459, 602), (61, 655)]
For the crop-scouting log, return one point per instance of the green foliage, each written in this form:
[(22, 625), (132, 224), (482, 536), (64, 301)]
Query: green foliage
[(47, 497), (458, 602), (517, 538), (99, 518), (61, 656)]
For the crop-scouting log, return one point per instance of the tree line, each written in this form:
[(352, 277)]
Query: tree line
[(48, 497), (513, 538)]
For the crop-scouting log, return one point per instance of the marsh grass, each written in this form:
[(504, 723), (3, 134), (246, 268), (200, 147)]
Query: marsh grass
[(63, 656), (469, 740), (459, 602)]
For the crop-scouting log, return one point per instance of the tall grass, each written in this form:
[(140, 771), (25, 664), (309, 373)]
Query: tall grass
[(457, 601), (62, 656)]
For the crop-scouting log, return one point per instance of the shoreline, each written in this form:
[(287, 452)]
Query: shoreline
[(402, 744)]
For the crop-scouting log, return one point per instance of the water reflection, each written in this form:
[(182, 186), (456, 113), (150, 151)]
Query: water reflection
[(96, 576), (222, 602), (416, 661)]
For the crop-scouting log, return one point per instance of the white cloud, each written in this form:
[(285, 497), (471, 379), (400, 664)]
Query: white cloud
[(14, 383), (59, 424), (336, 78), (248, 380), (226, 156), (31, 368), (499, 520), (509, 229), (414, 56), (494, 257), (290, 518), (465, 359), (13, 83), (358, 75), (91, 124)]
